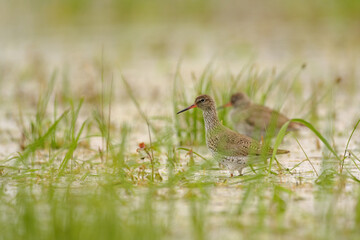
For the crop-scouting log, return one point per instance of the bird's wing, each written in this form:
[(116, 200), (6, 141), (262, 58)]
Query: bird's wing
[(261, 117), (231, 143)]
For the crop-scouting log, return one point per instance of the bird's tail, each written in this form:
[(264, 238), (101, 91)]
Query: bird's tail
[(281, 151)]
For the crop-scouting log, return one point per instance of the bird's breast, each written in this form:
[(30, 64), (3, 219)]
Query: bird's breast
[(212, 142)]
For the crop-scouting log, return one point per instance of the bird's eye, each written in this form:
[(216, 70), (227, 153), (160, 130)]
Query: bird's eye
[(202, 100)]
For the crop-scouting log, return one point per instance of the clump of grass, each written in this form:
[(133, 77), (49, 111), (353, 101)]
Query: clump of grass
[(41, 122), (39, 142)]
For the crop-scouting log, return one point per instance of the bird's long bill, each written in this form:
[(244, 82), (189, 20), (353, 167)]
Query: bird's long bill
[(224, 106), (192, 106)]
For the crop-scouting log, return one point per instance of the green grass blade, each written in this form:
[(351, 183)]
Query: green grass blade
[(135, 101), (282, 133), (278, 141), (347, 145), (71, 150), (318, 134), (31, 148)]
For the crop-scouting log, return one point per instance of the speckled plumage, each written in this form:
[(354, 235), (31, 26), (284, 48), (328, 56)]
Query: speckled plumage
[(230, 148)]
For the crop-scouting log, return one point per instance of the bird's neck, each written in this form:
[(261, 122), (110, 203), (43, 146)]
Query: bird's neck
[(211, 119)]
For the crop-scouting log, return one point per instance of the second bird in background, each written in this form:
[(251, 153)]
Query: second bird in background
[(256, 120)]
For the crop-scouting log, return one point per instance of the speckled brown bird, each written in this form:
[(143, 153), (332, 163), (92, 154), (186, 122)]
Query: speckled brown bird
[(254, 119), (231, 149)]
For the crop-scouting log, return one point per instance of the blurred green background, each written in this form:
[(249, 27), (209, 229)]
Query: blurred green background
[(206, 12), (83, 15)]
